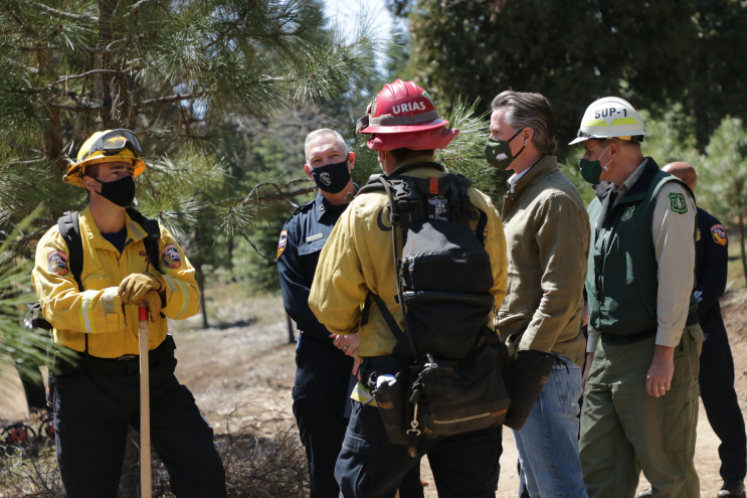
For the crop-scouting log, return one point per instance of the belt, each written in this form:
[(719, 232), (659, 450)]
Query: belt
[(692, 319), (627, 339), (124, 365)]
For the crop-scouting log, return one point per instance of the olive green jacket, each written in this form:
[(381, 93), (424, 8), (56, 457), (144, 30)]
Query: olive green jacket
[(547, 237)]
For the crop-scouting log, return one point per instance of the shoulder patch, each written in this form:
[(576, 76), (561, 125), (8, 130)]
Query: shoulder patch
[(170, 257), (57, 263), (282, 243), (677, 203), (718, 232)]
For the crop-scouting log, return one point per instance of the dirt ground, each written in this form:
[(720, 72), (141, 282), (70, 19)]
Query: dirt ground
[(241, 374)]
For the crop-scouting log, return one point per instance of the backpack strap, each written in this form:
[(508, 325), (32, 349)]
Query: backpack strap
[(395, 219), (153, 232), (70, 232), (388, 317)]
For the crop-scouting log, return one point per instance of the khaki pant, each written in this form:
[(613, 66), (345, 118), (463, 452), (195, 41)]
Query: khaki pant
[(624, 430)]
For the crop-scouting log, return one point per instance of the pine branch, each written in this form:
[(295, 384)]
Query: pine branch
[(61, 13), (165, 100), (138, 4), (285, 196), (222, 35), (256, 249), (82, 108), (83, 75)]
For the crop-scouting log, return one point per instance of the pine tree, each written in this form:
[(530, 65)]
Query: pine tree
[(178, 74)]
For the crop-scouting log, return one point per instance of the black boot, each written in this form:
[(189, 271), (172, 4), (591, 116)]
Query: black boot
[(732, 488)]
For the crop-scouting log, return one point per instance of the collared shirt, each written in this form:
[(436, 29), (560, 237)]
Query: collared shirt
[(675, 256), (301, 242), (514, 179)]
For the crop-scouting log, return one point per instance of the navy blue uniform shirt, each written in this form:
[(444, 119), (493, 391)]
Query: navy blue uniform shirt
[(301, 241), (711, 258)]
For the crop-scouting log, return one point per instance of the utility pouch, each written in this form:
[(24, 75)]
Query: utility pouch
[(528, 374), (389, 391), (454, 397)]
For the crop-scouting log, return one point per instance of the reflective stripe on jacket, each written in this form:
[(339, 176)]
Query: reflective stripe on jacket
[(98, 310)]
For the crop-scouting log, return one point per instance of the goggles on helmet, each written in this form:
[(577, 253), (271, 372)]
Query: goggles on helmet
[(114, 142)]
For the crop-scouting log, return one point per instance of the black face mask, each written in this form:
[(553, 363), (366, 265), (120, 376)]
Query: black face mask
[(121, 192), (332, 178)]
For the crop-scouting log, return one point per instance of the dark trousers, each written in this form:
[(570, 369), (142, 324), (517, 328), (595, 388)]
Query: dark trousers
[(464, 466), (320, 396), (92, 413), (721, 405)]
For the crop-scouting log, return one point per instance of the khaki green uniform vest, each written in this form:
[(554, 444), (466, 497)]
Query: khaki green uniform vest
[(622, 282)]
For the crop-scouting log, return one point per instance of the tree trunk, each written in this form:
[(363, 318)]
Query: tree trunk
[(700, 100), (200, 277), (115, 95), (229, 249), (741, 245), (52, 129), (291, 337)]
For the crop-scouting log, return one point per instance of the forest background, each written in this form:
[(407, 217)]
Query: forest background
[(223, 92)]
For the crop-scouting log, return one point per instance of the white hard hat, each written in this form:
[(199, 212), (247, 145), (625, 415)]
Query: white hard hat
[(610, 117)]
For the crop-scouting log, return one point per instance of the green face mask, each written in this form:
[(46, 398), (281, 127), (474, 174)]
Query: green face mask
[(498, 153), (591, 171)]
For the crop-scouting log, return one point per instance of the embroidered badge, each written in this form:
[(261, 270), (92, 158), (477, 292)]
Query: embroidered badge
[(57, 262), (719, 235), (628, 213), (677, 203), (282, 242), (170, 257), (325, 179)]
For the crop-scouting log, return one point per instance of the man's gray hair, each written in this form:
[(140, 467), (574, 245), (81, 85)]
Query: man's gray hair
[(323, 131), (529, 110)]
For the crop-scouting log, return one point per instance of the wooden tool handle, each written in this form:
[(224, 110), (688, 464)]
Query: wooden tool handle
[(145, 471)]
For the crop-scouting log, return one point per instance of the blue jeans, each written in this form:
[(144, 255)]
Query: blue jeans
[(548, 442)]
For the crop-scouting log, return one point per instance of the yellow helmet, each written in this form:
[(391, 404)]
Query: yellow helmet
[(105, 147)]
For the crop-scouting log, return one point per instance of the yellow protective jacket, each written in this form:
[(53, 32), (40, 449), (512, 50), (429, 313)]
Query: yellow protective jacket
[(358, 257), (98, 311)]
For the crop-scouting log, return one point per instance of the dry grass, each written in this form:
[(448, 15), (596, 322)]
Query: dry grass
[(256, 467)]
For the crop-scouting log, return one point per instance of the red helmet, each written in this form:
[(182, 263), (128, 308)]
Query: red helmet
[(400, 107)]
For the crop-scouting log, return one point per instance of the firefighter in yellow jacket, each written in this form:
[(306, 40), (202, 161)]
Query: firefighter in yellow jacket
[(93, 309)]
